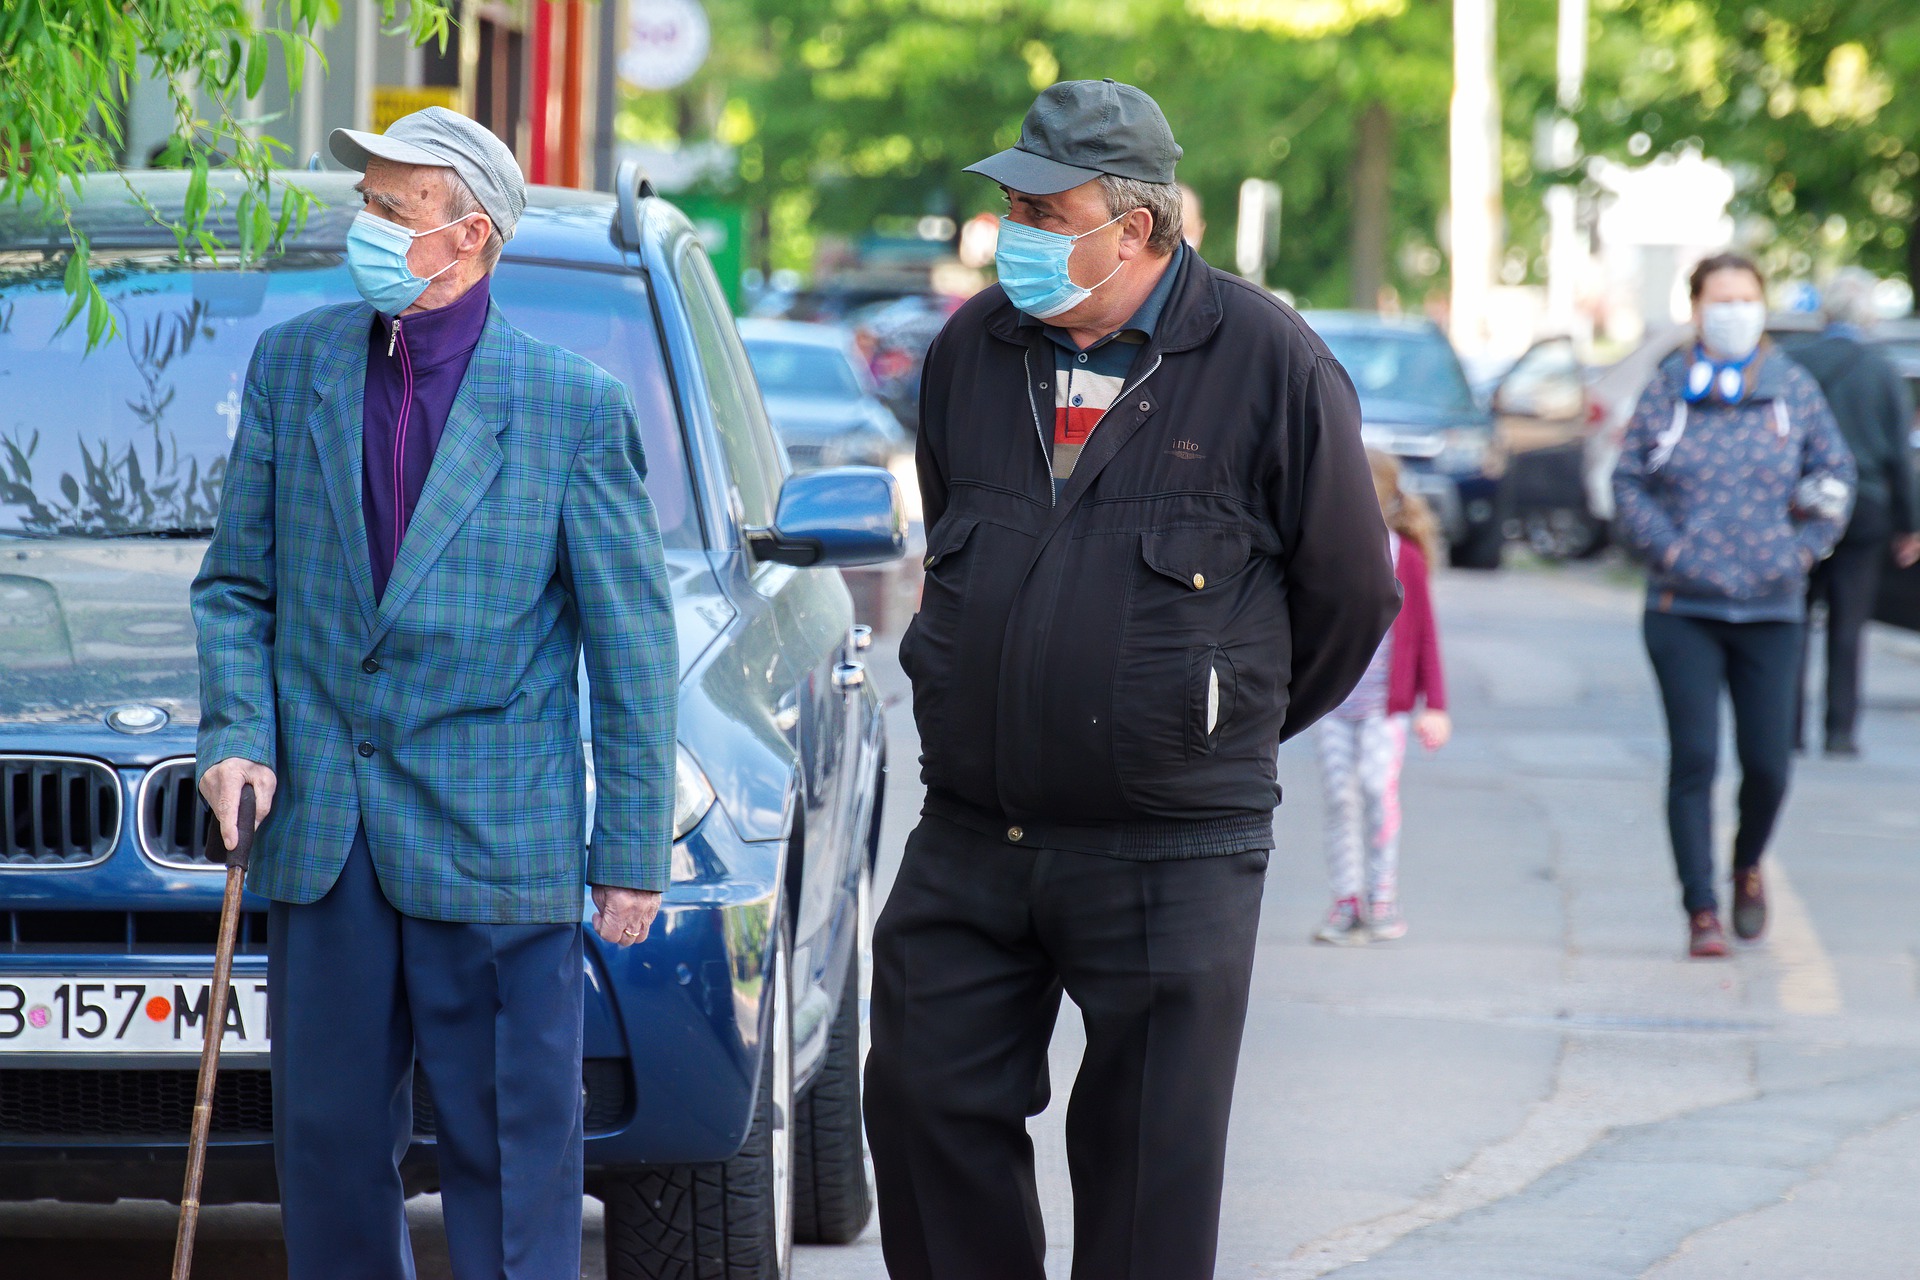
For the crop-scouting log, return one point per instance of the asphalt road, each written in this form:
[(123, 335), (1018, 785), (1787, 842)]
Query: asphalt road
[(1534, 1083)]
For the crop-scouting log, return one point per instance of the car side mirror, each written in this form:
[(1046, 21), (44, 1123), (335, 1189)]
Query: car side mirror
[(835, 516)]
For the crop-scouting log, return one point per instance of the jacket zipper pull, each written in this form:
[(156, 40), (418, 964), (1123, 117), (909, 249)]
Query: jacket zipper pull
[(393, 335)]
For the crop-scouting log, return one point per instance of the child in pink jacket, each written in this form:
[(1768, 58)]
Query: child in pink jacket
[(1364, 740)]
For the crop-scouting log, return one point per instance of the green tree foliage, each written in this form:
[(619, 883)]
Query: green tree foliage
[(847, 111), (67, 66), (1815, 104)]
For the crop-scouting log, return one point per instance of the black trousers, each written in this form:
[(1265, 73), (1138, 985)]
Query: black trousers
[(1848, 581), (976, 944), (1757, 664)]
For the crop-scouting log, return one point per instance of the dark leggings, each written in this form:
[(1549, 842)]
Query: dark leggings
[(1757, 663)]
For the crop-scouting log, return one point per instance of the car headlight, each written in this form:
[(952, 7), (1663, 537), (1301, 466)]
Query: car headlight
[(1463, 450), (692, 795)]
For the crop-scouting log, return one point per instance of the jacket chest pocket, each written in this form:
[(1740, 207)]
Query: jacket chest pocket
[(505, 547), (1196, 558)]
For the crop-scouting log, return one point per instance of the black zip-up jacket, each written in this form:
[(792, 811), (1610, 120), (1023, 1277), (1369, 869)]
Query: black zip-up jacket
[(1112, 672), (1874, 410)]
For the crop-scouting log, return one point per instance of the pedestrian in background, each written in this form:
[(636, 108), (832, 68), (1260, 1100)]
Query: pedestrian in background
[(428, 519), (1363, 741), (1733, 483), (1874, 410), (1151, 554)]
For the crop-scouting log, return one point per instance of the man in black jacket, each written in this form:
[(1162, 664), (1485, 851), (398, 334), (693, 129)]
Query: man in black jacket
[(1153, 552), (1871, 403)]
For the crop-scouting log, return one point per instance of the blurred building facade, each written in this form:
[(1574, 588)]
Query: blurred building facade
[(539, 73)]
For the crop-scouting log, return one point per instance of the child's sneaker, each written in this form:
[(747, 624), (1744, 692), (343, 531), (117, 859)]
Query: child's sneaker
[(1343, 926), (1384, 920)]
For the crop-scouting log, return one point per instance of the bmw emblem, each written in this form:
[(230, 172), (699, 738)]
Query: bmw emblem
[(136, 718)]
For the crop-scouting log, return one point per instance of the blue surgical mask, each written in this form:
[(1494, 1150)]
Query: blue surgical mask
[(1033, 268), (377, 261)]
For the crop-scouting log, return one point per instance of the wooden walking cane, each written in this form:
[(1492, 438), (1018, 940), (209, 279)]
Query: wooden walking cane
[(216, 1026)]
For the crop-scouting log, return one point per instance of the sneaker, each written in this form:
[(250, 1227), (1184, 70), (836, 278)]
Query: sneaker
[(1343, 926), (1384, 920), (1841, 746), (1749, 904), (1705, 940)]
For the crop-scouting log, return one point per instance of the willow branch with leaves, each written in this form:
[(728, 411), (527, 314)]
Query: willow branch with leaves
[(69, 66)]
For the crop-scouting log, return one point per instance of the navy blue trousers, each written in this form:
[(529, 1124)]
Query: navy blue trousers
[(359, 993), (1758, 664)]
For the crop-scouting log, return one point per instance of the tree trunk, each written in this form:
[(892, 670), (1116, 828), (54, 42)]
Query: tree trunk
[(1913, 254), (1369, 177)]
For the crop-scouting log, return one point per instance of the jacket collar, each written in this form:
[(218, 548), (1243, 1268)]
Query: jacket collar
[(464, 465), (1190, 317)]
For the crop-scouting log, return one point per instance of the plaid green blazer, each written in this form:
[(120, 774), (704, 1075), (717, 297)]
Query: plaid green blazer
[(444, 717)]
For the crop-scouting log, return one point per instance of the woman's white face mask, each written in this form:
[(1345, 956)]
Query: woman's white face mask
[(1732, 330)]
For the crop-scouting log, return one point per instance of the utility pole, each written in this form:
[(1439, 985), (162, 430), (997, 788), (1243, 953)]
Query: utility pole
[(1564, 252), (1474, 163)]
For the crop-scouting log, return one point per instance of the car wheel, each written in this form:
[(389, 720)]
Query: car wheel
[(727, 1221), (1481, 548), (832, 1198), (1562, 534)]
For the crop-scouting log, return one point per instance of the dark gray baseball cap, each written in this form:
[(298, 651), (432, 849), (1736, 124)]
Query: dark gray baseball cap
[(445, 139), (1079, 129)]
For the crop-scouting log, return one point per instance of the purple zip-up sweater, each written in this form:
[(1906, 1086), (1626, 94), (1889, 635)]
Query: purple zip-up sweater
[(414, 367)]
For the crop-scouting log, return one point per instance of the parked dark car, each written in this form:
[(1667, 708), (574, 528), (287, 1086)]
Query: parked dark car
[(1415, 404), (821, 399), (721, 1078)]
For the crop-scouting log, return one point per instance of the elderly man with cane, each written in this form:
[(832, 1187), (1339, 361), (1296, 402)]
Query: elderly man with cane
[(1153, 551), (428, 516)]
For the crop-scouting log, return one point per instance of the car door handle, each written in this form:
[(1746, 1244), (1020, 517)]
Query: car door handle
[(848, 676)]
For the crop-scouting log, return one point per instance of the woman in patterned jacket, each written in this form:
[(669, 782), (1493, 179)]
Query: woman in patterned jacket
[(1733, 483)]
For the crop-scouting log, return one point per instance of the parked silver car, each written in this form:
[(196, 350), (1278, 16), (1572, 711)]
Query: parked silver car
[(820, 396)]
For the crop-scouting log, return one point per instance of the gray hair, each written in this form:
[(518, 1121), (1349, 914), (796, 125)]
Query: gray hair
[(1161, 199), (1848, 297), (460, 202)]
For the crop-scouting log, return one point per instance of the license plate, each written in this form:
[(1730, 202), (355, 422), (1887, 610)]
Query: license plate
[(126, 1015)]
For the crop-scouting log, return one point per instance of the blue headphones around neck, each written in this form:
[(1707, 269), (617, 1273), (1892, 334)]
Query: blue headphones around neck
[(1709, 378)]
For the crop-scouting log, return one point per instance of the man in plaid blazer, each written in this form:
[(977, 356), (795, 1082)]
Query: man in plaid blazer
[(428, 516)]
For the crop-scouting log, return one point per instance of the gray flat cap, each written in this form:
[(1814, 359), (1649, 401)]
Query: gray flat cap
[(1079, 129), (445, 139)]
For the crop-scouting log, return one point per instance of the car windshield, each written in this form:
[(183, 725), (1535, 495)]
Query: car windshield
[(132, 440), (803, 369), (1401, 367)]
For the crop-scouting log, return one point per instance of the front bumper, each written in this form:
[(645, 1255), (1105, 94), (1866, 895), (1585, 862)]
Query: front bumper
[(680, 1017)]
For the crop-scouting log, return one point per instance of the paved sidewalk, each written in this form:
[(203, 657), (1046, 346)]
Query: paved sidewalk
[(1535, 1083)]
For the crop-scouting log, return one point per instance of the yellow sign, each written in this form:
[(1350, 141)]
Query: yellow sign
[(391, 101)]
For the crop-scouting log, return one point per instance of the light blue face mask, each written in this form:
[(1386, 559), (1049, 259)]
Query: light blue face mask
[(1033, 268), (377, 261)]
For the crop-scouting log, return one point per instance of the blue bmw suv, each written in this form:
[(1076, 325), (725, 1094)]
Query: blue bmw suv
[(722, 1055)]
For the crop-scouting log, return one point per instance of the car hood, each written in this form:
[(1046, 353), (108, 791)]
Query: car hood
[(87, 625), (812, 419), (1410, 416)]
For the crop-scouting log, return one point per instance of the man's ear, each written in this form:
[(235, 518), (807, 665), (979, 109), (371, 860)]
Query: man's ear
[(473, 234), (1135, 232)]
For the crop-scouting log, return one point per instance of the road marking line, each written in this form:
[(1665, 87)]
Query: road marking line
[(1808, 984)]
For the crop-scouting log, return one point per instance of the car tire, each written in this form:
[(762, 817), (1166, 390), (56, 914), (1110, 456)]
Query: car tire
[(726, 1221), (1482, 548), (832, 1199), (1561, 534)]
